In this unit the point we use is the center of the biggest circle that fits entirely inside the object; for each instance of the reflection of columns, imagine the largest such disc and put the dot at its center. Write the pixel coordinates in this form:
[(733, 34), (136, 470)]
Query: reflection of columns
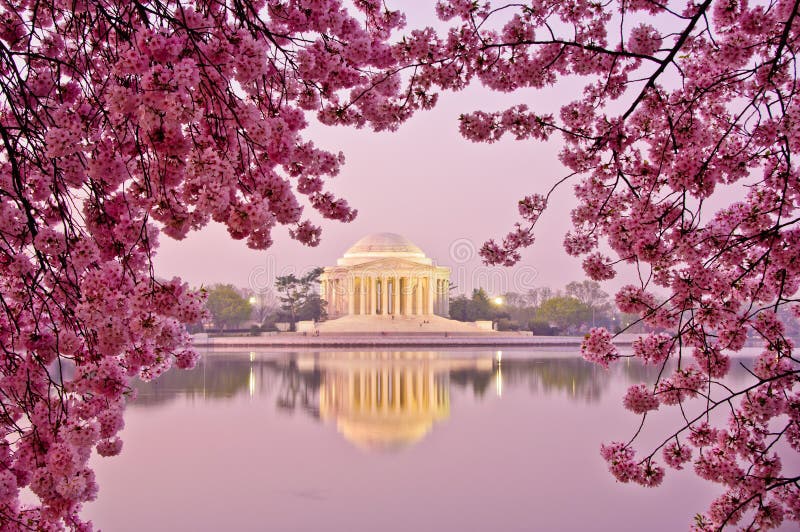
[(384, 296), (409, 378), (384, 388), (396, 390), (373, 296), (363, 377), (407, 296), (351, 295)]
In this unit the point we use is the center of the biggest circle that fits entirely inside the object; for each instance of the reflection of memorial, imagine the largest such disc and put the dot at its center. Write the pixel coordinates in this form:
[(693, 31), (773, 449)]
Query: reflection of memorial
[(294, 381), (387, 400)]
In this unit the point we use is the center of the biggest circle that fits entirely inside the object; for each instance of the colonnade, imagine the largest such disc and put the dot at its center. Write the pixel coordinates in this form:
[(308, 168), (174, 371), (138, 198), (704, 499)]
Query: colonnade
[(383, 295), (386, 389)]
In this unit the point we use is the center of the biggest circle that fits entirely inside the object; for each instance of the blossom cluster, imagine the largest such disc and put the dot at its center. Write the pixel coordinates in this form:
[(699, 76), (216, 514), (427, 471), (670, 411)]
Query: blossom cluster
[(665, 121), (125, 120)]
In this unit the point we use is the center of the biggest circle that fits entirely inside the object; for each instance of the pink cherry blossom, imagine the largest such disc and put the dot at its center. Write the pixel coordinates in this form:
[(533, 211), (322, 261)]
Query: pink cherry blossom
[(640, 400), (675, 454), (119, 129), (597, 347)]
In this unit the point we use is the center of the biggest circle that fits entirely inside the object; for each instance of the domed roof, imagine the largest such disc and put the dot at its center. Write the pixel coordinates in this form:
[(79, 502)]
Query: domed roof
[(381, 246), (384, 243)]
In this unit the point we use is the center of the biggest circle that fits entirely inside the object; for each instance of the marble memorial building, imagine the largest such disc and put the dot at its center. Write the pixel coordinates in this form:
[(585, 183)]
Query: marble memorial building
[(385, 274)]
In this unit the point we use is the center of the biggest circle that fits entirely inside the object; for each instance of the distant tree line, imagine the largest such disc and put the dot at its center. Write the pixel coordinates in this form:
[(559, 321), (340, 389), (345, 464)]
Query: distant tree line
[(582, 305), (234, 309), (579, 307)]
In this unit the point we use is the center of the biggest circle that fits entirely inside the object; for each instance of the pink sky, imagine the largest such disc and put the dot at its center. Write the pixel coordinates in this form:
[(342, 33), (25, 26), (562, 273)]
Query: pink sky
[(425, 182)]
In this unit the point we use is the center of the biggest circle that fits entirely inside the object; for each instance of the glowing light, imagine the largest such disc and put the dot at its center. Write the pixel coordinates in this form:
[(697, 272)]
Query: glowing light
[(498, 300), (498, 381), (252, 300), (498, 376), (251, 383), (252, 356)]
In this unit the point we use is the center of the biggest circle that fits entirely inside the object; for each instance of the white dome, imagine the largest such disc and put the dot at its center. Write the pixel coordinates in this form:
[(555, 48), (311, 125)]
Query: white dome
[(383, 244)]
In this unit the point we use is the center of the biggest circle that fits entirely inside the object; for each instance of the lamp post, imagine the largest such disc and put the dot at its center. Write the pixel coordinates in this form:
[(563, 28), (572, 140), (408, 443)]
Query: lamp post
[(497, 302)]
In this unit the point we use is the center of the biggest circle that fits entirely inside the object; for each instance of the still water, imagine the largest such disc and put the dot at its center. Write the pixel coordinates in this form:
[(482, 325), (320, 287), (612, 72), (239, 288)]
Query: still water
[(462, 440)]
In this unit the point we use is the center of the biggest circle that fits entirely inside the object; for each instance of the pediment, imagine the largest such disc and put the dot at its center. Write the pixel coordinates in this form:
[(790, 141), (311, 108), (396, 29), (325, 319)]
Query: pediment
[(386, 266)]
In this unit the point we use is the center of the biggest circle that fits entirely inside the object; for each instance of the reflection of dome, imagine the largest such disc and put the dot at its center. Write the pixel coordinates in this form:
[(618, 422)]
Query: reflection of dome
[(384, 433)]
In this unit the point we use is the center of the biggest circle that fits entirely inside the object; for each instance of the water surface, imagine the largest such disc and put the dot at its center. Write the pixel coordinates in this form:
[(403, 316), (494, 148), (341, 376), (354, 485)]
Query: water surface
[(463, 440)]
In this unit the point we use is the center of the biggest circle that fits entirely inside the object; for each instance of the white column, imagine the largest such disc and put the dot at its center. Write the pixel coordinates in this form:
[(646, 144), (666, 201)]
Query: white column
[(351, 295), (373, 295), (435, 295), (329, 294), (430, 284), (361, 296), (446, 296), (384, 296), (407, 296), (439, 296), (337, 296), (336, 302), (418, 305), (396, 295)]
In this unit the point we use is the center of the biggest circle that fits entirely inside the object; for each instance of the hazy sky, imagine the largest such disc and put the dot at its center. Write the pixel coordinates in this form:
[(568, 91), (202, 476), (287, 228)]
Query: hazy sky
[(446, 194)]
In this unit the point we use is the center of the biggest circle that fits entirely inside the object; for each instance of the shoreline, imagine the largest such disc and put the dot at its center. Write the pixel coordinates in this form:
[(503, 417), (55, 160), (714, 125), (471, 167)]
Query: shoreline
[(397, 340)]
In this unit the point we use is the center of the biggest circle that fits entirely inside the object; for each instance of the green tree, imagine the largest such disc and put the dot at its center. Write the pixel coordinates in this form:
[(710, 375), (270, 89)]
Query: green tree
[(518, 308), (314, 308), (590, 294), (540, 327), (478, 307), (264, 304), (537, 296), (460, 308), (565, 312), (482, 306), (298, 297), (227, 306)]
